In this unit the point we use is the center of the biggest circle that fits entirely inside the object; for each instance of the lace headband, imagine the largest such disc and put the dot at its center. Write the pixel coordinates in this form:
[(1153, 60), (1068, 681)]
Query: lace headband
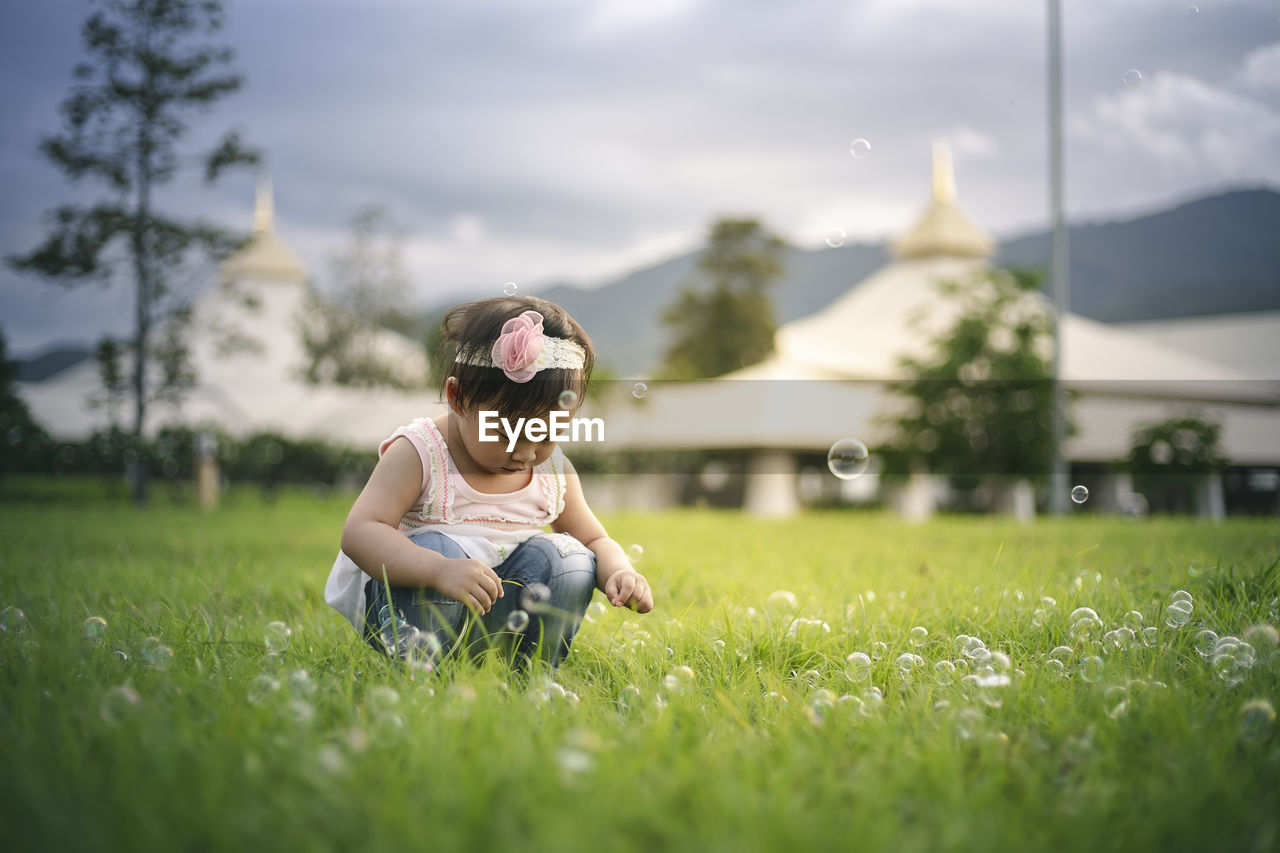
[(522, 350)]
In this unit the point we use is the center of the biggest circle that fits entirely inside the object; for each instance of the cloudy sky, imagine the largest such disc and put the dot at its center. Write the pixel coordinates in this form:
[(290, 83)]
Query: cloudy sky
[(527, 141)]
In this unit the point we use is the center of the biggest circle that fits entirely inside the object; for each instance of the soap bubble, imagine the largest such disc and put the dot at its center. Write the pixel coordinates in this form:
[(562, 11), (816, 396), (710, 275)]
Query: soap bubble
[(635, 552), (1178, 614), (536, 598), (95, 629), (1193, 11), (878, 650), (836, 238), (14, 621), (155, 652), (848, 458), (1091, 668), (907, 662), (277, 636), (1257, 720), (639, 390), (517, 621), (1181, 595), (118, 703), (918, 635), (858, 666), (568, 398), (1132, 77), (261, 689), (1206, 643), (944, 672), (859, 148), (1053, 666), (679, 679), (1262, 636), (629, 698), (1079, 494), (510, 288), (782, 601)]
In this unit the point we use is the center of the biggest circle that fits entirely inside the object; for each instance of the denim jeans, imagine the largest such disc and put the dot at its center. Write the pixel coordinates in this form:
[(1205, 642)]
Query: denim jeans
[(428, 625)]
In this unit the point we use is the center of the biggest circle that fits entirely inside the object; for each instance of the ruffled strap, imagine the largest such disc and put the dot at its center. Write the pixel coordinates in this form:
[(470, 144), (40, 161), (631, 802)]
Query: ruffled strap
[(436, 499)]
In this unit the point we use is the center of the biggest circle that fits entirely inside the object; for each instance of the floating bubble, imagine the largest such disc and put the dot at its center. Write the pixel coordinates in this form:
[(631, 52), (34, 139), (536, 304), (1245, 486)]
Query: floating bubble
[(1257, 720), (1262, 636), (597, 610), (872, 698), (918, 635), (14, 621), (848, 458), (1053, 666), (907, 662), (859, 148), (1134, 621), (1092, 668), (639, 390), (878, 650), (568, 398), (510, 288), (944, 672), (1181, 595), (1206, 643), (154, 652), (629, 698), (277, 636), (1178, 614), (679, 679), (1079, 494), (836, 238), (857, 666), (95, 629), (1149, 635), (517, 621), (536, 598), (118, 703), (1193, 11), (1116, 701), (1062, 653), (300, 683), (635, 552), (300, 711), (782, 601), (261, 689), (1132, 77)]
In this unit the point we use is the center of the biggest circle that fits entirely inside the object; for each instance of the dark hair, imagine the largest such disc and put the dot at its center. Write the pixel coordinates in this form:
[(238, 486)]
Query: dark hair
[(477, 325)]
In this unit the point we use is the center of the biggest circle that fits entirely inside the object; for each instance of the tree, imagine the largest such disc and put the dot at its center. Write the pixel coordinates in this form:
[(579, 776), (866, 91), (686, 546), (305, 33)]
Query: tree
[(980, 405), (1169, 460), (731, 324), (340, 334), (20, 435), (124, 119)]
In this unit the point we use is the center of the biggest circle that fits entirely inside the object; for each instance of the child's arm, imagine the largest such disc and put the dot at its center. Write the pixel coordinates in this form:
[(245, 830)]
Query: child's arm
[(615, 577), (371, 537)]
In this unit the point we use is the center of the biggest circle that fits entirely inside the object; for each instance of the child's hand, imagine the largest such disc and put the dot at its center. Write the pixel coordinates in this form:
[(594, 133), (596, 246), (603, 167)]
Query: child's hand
[(629, 588), (471, 582)]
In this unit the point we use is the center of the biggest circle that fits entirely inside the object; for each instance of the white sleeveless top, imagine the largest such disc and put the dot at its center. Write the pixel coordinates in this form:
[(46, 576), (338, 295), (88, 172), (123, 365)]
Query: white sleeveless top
[(486, 526)]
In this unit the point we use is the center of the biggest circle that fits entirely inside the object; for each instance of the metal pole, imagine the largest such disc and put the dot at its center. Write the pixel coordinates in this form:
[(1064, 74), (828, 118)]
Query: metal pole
[(1058, 485)]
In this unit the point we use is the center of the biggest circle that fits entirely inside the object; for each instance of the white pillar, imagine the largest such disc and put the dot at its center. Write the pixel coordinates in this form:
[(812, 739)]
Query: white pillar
[(772, 484), (1211, 500), (917, 500)]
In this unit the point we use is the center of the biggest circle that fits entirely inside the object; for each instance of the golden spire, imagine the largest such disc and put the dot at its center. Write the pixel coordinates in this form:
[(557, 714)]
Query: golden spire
[(944, 177), (263, 208)]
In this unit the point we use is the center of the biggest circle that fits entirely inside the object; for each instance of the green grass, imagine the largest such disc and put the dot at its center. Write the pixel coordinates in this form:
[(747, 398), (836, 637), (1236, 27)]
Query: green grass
[(751, 754)]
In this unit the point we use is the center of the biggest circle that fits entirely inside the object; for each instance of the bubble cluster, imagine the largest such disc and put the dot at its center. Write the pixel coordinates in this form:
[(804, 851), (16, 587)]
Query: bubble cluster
[(1178, 613), (848, 458)]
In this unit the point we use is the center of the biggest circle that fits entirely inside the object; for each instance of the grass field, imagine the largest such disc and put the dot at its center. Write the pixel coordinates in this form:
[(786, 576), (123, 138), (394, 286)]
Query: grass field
[(730, 718)]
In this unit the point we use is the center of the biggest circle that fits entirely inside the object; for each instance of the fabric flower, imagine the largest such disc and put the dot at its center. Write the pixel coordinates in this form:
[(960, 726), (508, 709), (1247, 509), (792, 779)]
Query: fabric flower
[(517, 349)]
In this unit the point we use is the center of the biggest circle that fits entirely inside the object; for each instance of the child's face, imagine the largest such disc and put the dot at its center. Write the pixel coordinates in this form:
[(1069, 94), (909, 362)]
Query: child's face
[(492, 456)]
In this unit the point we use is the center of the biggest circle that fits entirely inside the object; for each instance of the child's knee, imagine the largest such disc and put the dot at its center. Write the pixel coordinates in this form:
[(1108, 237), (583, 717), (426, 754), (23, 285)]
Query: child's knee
[(435, 541)]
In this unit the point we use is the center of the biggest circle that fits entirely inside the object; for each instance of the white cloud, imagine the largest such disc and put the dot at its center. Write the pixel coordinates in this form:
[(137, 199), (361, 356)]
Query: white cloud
[(1260, 71), (966, 141), (1184, 125)]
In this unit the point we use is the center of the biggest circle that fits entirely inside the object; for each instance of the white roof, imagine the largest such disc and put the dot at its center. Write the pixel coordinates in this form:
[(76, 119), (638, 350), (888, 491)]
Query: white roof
[(258, 388), (1248, 343)]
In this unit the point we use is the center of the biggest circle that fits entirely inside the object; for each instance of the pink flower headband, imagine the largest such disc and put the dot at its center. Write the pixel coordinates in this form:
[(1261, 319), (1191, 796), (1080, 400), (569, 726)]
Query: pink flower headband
[(522, 350)]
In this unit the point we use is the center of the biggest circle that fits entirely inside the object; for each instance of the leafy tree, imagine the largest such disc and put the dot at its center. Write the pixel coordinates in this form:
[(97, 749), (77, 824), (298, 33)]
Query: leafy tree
[(340, 334), (731, 323), (980, 405), (148, 73), (20, 435), (1168, 459)]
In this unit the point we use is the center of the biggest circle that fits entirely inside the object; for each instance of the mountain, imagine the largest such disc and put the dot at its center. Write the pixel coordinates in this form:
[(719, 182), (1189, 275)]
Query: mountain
[(51, 361), (1213, 255)]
